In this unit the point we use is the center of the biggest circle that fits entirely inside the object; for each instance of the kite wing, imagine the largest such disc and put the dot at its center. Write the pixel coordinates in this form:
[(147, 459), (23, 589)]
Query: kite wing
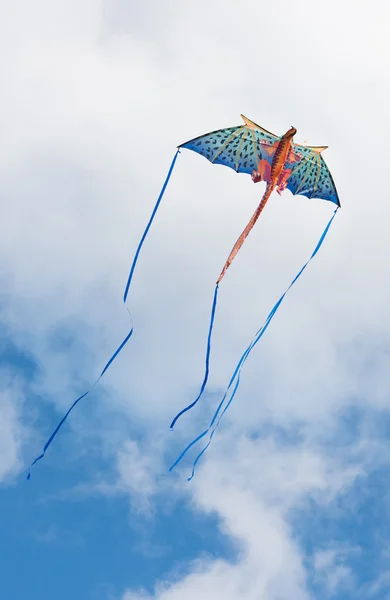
[(310, 176), (241, 148)]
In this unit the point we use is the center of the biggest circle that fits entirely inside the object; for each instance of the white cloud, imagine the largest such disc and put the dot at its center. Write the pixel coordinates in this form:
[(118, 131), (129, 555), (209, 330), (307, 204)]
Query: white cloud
[(252, 488), (381, 585), (332, 572), (136, 595), (136, 475), (135, 469)]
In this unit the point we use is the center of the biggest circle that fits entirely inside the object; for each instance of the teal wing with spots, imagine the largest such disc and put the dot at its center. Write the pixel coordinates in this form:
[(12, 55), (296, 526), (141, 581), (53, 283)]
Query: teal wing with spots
[(240, 148), (310, 176)]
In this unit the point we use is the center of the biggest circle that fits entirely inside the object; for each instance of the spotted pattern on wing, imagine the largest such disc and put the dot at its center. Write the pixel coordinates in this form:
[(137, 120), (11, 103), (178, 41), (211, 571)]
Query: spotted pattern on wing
[(240, 148), (311, 177)]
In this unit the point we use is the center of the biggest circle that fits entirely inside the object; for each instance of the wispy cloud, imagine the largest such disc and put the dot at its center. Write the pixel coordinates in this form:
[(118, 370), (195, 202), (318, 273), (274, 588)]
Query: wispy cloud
[(331, 570), (54, 536)]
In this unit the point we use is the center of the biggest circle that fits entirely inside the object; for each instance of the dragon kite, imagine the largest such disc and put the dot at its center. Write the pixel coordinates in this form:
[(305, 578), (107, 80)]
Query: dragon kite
[(276, 160)]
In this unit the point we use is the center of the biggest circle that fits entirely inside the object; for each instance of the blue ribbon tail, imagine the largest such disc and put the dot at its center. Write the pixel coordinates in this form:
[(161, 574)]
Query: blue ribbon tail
[(186, 449), (145, 233), (119, 349), (237, 372), (60, 424), (207, 366)]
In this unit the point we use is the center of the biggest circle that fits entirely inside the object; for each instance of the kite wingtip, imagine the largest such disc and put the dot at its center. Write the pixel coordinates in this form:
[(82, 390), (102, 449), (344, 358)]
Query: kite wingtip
[(318, 149), (247, 121)]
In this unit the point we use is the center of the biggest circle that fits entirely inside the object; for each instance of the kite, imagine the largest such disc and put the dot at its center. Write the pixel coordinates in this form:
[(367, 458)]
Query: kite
[(281, 164)]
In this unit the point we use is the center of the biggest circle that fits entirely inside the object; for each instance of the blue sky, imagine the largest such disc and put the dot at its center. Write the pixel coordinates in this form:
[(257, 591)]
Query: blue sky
[(291, 499)]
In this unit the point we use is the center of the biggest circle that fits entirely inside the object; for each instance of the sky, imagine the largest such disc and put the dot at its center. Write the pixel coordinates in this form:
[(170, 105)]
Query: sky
[(291, 500)]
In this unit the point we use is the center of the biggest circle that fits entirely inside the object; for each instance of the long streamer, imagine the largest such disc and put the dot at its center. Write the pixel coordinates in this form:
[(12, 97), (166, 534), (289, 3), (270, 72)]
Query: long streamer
[(119, 349), (235, 379), (207, 366), (60, 424), (145, 233)]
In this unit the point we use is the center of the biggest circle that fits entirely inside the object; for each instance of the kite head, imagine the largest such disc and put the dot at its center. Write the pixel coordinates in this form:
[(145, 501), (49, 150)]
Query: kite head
[(289, 134)]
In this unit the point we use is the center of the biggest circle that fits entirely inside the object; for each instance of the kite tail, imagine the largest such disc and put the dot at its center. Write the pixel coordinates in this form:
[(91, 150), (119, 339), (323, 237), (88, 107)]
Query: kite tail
[(119, 349), (235, 379), (233, 253), (145, 233), (60, 424), (207, 367), (245, 233)]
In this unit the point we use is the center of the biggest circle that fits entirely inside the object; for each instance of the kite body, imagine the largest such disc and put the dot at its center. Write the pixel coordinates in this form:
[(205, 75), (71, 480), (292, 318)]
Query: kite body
[(276, 160)]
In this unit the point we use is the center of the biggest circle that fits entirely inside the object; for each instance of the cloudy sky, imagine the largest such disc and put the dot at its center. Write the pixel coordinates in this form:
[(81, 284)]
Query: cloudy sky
[(291, 501)]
